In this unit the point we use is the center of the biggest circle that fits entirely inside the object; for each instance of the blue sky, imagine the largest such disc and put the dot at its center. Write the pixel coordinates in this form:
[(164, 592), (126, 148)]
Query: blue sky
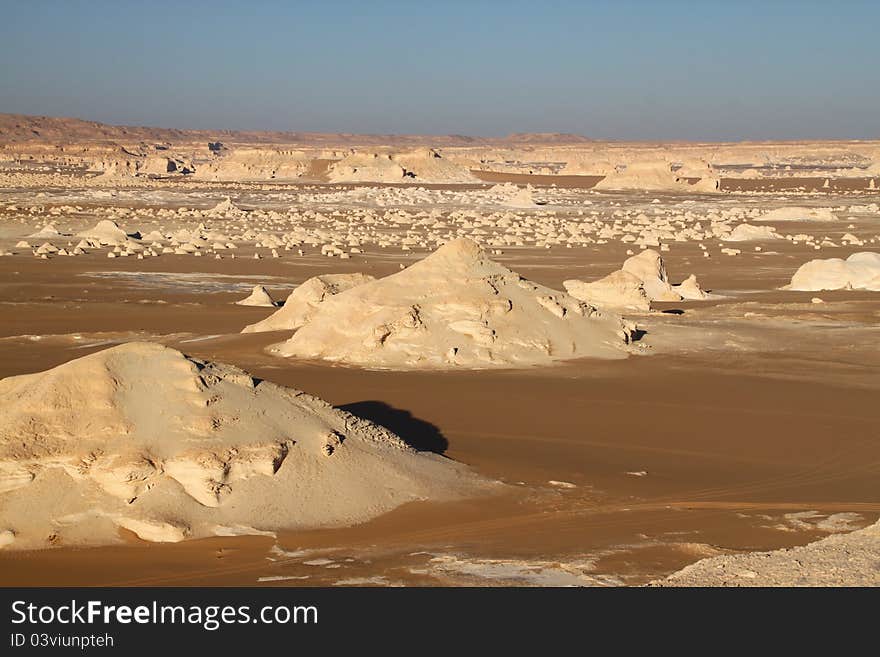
[(619, 70)]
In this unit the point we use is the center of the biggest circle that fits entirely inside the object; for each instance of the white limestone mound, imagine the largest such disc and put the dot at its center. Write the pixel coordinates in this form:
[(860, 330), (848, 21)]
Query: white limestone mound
[(419, 165), (583, 164), (794, 213), (839, 560), (750, 233), (429, 165), (524, 198), (620, 290), (107, 233), (690, 289), (226, 209), (48, 231), (304, 300), (649, 268), (249, 163), (259, 296), (113, 172), (708, 180), (366, 167), (653, 175), (656, 175), (514, 196), (641, 280), (142, 437), (860, 271), (456, 308)]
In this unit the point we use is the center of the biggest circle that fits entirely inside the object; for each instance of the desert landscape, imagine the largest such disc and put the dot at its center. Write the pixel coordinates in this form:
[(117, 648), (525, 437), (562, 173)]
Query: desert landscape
[(314, 359)]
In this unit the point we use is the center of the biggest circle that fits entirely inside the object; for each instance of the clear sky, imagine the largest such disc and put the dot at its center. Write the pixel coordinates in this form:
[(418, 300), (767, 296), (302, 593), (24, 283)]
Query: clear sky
[(649, 69)]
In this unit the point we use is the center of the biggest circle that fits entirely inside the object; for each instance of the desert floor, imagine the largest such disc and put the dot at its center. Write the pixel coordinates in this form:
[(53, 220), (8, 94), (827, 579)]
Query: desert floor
[(749, 421)]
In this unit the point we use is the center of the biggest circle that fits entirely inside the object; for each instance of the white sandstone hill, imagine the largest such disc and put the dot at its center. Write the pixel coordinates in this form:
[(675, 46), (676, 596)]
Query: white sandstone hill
[(456, 308), (304, 300), (141, 437)]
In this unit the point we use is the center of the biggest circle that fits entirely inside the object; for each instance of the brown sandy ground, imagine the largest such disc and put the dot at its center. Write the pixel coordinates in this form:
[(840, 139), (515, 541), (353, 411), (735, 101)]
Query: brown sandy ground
[(623, 471)]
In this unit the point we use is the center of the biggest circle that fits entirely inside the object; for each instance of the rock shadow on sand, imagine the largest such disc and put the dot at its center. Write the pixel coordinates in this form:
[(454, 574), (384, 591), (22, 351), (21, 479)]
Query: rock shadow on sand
[(418, 434)]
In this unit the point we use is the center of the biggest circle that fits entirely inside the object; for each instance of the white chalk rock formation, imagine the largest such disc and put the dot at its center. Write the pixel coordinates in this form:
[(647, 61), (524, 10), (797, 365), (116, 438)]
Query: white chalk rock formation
[(304, 300), (106, 232), (420, 165), (794, 213), (428, 165), (690, 289), (580, 164), (709, 181), (226, 209), (860, 271), (113, 172), (141, 437), (642, 279), (48, 231), (259, 296), (366, 167), (456, 308), (750, 233), (840, 560), (620, 290), (649, 268), (250, 163), (514, 196), (656, 175)]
